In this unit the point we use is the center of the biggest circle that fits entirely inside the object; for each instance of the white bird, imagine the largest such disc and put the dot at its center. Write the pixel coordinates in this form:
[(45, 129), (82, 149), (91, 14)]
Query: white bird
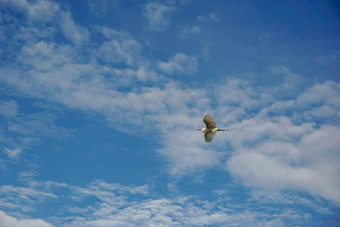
[(210, 129)]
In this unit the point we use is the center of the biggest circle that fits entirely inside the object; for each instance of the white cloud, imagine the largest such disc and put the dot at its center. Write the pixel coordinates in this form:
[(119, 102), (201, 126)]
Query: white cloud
[(41, 19), (13, 153), (291, 157), (258, 130), (178, 211), (39, 10), (121, 205), (188, 32), (8, 108), (115, 52), (45, 56), (187, 151), (102, 7), (119, 48), (9, 221), (321, 94), (319, 102), (179, 64), (72, 31), (23, 198), (34, 24), (158, 15), (36, 125), (288, 84)]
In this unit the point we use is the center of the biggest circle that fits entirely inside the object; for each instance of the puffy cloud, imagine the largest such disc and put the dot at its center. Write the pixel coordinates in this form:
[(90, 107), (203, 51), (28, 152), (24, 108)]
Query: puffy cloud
[(306, 159), (326, 94), (9, 221)]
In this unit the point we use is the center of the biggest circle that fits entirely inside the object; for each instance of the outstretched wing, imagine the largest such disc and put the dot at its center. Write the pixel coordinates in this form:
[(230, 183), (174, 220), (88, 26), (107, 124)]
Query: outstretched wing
[(209, 121), (209, 136)]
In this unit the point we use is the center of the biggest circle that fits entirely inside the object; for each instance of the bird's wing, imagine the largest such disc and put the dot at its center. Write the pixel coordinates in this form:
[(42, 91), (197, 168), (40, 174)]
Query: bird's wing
[(209, 121), (209, 136)]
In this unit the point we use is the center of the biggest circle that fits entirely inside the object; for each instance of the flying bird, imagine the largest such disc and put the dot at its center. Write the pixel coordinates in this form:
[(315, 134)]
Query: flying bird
[(210, 129)]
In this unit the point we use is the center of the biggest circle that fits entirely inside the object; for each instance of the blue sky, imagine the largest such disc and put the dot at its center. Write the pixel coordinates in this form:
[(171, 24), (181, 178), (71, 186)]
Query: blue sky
[(100, 102)]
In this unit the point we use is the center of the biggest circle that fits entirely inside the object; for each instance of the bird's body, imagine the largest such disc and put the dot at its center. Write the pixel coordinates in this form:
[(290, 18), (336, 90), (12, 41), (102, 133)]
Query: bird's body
[(210, 129), (214, 130)]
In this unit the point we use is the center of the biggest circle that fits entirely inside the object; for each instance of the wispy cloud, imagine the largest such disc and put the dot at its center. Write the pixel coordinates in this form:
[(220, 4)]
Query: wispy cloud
[(179, 64), (158, 15), (190, 31), (210, 17), (117, 205), (24, 199), (37, 11), (72, 31), (8, 108), (13, 153), (119, 48), (326, 59), (20, 132)]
